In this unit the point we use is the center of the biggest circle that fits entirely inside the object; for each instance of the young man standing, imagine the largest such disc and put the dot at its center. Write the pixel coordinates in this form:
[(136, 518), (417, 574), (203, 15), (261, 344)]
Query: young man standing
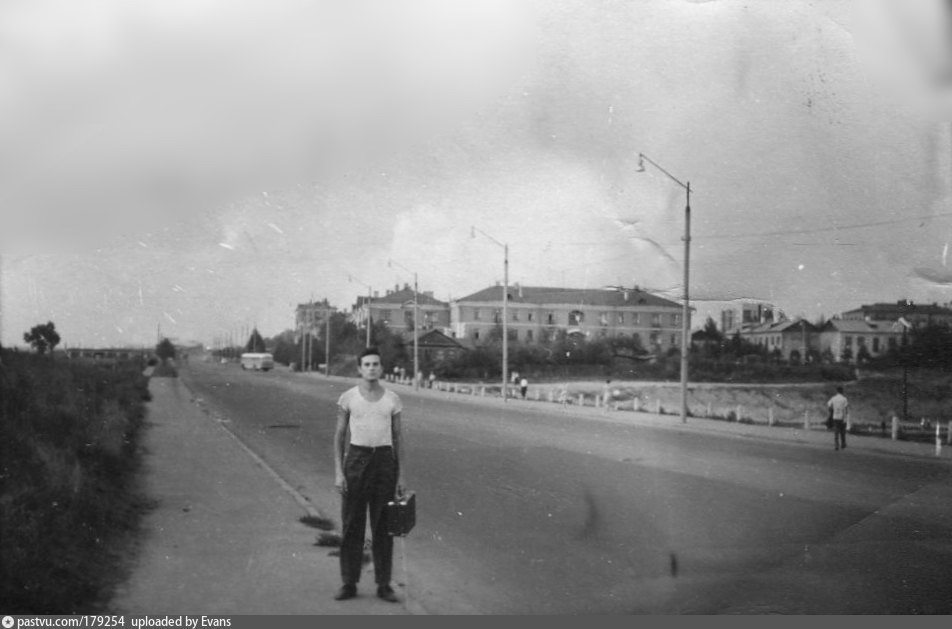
[(367, 474), (840, 408)]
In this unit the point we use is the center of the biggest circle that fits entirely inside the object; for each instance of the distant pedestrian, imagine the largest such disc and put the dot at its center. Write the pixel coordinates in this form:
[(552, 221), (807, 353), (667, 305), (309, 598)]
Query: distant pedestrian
[(564, 396), (367, 473), (524, 387), (840, 409), (432, 379), (606, 396)]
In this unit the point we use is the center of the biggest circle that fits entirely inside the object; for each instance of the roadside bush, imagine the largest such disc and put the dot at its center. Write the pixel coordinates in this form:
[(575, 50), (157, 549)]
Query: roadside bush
[(69, 435)]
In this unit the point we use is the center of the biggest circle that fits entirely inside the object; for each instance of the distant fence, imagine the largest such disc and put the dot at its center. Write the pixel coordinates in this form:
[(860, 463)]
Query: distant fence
[(925, 431)]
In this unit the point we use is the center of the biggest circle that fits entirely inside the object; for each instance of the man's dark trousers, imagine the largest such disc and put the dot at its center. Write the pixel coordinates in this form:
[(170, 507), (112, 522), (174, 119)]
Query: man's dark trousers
[(839, 433), (371, 475)]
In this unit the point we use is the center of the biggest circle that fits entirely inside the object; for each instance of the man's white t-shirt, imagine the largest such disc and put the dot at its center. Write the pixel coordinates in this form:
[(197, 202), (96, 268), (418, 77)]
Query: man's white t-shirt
[(370, 422), (840, 406)]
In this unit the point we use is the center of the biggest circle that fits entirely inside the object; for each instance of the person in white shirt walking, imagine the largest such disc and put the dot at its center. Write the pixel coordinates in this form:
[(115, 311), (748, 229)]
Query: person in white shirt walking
[(839, 408), (367, 474)]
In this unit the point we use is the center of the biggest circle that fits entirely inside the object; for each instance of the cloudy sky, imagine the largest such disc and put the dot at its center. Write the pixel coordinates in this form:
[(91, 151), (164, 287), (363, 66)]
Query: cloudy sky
[(206, 165)]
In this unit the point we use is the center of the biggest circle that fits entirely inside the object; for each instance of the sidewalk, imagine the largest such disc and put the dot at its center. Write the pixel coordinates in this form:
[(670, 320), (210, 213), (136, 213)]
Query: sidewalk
[(225, 537), (817, 436)]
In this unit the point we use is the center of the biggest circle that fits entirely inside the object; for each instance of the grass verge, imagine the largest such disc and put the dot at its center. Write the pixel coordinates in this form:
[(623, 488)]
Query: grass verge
[(69, 496)]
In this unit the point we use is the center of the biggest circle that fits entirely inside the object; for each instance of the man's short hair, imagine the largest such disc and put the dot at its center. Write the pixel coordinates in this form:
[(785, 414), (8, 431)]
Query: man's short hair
[(839, 389), (370, 351)]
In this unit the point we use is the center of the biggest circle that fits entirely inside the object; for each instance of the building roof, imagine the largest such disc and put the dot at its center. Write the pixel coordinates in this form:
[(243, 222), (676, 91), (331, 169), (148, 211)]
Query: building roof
[(404, 296), (855, 326), (315, 305), (433, 338), (899, 309), (777, 327), (541, 295)]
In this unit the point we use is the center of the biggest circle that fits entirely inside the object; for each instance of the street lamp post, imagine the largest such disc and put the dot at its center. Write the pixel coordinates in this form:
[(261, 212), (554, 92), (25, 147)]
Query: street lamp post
[(685, 308), (416, 344), (505, 311), (369, 295)]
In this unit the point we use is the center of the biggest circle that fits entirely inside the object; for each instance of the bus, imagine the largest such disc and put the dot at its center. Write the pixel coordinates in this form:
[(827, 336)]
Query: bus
[(257, 361)]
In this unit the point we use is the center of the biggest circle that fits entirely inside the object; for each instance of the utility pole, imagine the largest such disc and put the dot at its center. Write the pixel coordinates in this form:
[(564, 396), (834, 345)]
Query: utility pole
[(416, 304), (370, 289), (505, 310), (327, 340), (416, 335), (310, 338), (369, 317), (905, 362), (685, 307), (303, 342)]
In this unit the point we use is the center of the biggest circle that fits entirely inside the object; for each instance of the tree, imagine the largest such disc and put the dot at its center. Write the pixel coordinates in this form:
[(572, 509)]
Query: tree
[(711, 331), (255, 343), (284, 349), (43, 337), (165, 350), (846, 355)]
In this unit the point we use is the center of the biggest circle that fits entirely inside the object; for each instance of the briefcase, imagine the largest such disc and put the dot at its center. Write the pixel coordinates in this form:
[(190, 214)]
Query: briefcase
[(401, 514)]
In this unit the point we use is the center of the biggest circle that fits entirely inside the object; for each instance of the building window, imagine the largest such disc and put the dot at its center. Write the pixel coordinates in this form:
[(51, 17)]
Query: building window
[(675, 319), (635, 318), (848, 341), (656, 319), (408, 318), (861, 341), (528, 335), (576, 317), (620, 318), (550, 318), (515, 315), (476, 334), (497, 316), (603, 318), (674, 340), (476, 314), (892, 342), (876, 344), (529, 316)]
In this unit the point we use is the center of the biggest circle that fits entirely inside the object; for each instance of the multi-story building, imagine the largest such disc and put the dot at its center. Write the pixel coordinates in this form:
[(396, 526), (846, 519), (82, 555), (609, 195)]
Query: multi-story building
[(310, 317), (747, 315), (845, 338), (395, 308), (916, 314), (537, 313), (794, 340)]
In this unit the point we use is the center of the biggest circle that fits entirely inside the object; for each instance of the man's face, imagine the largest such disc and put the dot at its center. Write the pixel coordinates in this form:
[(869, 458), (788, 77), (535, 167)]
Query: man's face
[(370, 368)]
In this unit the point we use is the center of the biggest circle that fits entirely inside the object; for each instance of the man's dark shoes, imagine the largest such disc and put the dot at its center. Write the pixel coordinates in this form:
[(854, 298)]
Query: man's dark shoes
[(345, 592), (386, 593)]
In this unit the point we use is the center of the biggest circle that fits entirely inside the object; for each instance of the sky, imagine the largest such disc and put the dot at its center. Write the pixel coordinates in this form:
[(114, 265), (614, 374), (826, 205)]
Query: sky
[(198, 167)]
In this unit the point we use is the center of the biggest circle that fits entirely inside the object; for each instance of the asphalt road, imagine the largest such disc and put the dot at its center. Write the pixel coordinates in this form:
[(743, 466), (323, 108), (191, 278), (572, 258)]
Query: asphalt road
[(534, 510)]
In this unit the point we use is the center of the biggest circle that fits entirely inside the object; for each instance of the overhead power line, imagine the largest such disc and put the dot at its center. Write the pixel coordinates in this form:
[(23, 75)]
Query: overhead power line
[(820, 230)]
